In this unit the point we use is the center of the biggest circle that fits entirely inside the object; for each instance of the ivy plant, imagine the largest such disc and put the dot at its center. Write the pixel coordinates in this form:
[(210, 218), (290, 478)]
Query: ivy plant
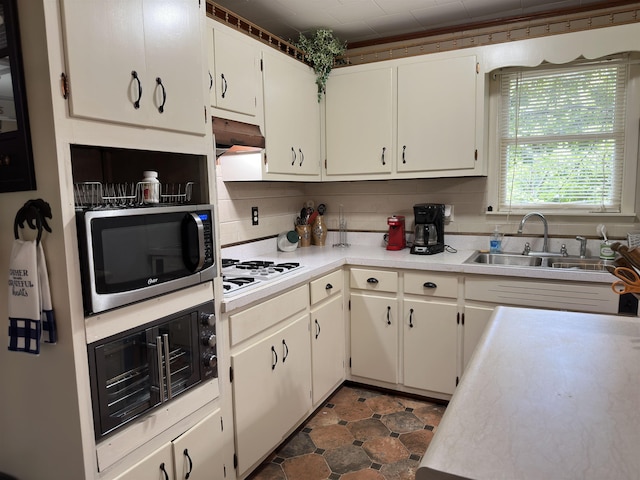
[(320, 51)]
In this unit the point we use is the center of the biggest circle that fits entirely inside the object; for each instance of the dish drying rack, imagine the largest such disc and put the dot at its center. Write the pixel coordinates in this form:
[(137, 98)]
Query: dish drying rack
[(97, 194)]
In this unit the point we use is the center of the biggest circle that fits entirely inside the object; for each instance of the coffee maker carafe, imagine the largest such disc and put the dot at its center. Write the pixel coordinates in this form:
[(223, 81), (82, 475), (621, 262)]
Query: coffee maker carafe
[(429, 229)]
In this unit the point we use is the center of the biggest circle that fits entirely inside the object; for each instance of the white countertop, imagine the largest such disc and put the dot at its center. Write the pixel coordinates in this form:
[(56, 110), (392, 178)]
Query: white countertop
[(369, 252), (546, 395)]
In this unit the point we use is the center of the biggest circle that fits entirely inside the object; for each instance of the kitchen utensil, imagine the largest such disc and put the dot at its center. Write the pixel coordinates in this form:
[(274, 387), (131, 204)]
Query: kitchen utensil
[(629, 281), (305, 234), (631, 256)]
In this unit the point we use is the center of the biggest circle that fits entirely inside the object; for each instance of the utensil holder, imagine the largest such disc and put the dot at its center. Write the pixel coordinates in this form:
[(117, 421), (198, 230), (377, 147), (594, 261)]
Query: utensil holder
[(305, 235), (319, 231)]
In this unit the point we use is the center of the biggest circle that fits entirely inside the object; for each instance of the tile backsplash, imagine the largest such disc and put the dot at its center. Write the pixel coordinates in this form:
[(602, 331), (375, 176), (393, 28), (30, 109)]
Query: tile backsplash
[(367, 204)]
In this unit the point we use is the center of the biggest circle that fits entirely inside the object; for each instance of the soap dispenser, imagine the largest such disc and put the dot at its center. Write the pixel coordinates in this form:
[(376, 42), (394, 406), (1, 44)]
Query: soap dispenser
[(495, 241)]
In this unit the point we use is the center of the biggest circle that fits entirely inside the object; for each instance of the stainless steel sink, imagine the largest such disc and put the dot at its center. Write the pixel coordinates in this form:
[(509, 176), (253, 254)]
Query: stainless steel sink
[(513, 259), (549, 261), (577, 263)]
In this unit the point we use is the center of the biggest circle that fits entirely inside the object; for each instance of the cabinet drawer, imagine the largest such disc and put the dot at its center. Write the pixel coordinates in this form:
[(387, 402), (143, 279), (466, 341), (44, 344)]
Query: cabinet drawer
[(325, 287), (260, 317), (375, 280), (431, 284)]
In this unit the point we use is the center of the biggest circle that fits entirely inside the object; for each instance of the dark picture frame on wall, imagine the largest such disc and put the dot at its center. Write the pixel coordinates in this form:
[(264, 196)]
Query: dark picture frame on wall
[(16, 155)]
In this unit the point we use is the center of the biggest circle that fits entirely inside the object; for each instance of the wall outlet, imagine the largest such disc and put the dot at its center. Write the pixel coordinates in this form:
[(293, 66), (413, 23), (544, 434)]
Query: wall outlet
[(254, 215)]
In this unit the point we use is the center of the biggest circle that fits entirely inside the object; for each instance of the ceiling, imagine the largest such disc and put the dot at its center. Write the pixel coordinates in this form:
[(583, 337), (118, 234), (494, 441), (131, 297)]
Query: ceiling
[(371, 20)]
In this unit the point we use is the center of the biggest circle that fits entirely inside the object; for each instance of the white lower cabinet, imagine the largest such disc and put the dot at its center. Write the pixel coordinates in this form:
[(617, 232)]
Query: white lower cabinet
[(374, 336), (271, 389), (430, 345), (327, 348), (474, 321), (199, 452)]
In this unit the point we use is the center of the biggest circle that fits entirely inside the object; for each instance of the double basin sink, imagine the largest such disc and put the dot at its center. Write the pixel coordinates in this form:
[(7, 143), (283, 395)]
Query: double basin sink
[(538, 261)]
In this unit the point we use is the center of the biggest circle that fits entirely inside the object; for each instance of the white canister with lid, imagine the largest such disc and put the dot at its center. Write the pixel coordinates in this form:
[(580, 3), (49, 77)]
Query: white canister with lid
[(288, 241), (150, 187)]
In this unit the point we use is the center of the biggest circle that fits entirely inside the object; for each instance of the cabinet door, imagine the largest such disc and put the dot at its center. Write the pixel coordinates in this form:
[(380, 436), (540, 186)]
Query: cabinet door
[(107, 41), (374, 337), (271, 389), (174, 55), (104, 43), (476, 319), (430, 345), (199, 452), (327, 347), (359, 122), (437, 115), (292, 117), (156, 466), (235, 73)]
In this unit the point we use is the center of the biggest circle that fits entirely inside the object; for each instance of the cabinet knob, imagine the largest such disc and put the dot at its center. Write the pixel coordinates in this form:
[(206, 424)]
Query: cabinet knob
[(429, 285), (328, 286), (372, 280)]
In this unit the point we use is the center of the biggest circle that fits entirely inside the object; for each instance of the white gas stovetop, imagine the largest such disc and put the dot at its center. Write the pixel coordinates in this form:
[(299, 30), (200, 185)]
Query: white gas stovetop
[(237, 276)]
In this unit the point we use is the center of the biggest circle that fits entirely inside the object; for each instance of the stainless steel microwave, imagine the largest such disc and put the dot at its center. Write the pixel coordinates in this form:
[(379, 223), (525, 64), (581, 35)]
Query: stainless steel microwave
[(132, 254)]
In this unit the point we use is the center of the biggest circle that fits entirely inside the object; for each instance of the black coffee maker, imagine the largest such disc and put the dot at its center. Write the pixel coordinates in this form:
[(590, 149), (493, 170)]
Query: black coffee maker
[(429, 229)]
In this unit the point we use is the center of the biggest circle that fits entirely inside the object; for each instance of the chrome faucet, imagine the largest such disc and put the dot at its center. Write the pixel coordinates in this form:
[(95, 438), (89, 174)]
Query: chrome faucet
[(545, 242), (583, 246)]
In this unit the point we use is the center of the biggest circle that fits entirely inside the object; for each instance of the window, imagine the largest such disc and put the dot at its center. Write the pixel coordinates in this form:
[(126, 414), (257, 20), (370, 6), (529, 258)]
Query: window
[(561, 137)]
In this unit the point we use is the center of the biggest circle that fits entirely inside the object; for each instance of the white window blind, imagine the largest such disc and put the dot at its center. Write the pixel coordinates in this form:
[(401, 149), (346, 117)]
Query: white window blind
[(562, 138)]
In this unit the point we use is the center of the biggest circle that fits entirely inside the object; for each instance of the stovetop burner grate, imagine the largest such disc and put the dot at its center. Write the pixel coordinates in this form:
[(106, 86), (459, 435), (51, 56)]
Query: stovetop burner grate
[(237, 275)]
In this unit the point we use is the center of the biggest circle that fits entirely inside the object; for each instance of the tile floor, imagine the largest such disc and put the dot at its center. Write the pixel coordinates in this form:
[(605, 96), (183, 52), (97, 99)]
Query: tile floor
[(359, 434)]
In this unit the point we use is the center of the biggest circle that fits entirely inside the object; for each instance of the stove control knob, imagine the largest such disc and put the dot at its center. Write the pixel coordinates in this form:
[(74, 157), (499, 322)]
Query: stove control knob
[(209, 339), (208, 319), (210, 360)]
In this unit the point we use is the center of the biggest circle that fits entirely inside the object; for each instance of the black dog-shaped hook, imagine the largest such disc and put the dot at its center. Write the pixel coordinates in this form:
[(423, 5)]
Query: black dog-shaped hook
[(35, 214)]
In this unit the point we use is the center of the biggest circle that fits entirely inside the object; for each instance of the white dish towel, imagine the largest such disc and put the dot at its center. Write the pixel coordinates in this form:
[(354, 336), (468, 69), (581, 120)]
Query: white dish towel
[(30, 310)]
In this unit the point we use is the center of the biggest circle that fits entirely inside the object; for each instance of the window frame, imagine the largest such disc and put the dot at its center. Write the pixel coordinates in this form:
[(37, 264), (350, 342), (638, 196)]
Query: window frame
[(630, 181)]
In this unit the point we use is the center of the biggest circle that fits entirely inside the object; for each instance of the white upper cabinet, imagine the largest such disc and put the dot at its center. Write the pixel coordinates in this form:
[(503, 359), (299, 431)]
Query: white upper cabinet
[(437, 115), (136, 62), (415, 118), (292, 118), (359, 123), (234, 69)]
